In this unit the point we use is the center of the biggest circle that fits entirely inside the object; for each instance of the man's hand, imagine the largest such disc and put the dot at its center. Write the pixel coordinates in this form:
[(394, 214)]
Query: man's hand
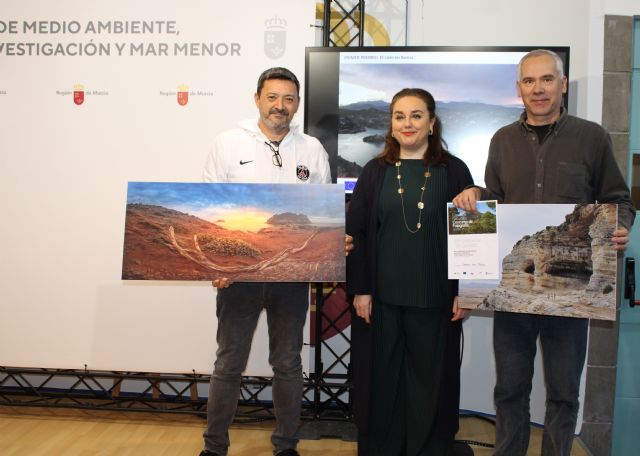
[(458, 313), (466, 199), (620, 238), (222, 283), (362, 304), (348, 244)]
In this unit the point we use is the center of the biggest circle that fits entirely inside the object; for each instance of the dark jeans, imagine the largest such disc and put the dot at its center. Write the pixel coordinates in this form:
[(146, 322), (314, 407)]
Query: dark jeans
[(563, 341), (238, 309)]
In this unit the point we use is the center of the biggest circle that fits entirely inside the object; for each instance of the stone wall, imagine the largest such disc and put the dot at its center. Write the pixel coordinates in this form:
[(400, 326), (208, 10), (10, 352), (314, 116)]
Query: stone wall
[(602, 358)]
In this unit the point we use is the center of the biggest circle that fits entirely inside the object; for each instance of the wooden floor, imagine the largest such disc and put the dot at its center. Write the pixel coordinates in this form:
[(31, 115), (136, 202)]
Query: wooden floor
[(26, 431)]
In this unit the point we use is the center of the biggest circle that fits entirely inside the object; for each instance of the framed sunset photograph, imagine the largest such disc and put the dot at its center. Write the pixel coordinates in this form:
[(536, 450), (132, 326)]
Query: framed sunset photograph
[(245, 232)]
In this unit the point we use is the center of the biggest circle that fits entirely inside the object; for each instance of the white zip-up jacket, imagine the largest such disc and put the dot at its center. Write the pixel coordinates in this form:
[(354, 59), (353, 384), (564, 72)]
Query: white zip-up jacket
[(241, 155)]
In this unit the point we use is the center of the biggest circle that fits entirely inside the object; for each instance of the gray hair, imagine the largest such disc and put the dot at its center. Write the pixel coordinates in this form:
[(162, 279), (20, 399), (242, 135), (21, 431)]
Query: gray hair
[(539, 53)]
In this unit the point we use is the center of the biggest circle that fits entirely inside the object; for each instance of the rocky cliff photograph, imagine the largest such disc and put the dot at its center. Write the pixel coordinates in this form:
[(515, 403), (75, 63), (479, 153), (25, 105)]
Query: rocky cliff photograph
[(557, 259), (246, 232)]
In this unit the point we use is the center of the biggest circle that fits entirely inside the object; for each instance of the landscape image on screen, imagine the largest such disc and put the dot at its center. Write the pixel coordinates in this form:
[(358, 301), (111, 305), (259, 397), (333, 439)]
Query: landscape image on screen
[(473, 100)]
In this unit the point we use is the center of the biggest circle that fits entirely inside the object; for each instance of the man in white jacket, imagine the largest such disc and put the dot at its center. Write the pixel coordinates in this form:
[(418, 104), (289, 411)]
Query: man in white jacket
[(269, 150)]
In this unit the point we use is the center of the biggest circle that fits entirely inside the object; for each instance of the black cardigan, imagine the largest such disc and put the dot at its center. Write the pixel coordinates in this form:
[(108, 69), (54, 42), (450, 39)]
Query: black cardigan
[(362, 220)]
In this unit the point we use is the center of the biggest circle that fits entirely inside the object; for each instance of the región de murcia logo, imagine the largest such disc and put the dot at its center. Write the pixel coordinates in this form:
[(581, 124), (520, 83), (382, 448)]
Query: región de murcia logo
[(275, 37), (183, 95), (78, 94)]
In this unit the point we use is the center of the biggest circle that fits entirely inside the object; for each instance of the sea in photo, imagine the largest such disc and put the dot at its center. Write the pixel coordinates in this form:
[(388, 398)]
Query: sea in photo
[(353, 148)]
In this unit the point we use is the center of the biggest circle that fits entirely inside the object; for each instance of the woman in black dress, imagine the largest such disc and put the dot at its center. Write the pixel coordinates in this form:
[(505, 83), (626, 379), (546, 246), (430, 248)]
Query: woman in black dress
[(406, 336)]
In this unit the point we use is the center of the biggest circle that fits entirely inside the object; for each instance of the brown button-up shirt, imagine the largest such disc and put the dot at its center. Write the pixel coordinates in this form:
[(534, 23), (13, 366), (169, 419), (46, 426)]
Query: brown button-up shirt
[(573, 164)]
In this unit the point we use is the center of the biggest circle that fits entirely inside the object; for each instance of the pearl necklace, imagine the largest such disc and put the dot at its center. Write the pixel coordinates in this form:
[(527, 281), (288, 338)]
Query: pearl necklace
[(427, 174)]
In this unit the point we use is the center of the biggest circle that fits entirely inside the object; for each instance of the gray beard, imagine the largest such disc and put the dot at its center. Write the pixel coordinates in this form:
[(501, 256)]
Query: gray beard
[(278, 127)]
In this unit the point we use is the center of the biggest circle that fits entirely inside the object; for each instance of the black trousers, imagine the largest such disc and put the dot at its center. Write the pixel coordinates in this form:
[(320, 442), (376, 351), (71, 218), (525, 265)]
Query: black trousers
[(408, 347)]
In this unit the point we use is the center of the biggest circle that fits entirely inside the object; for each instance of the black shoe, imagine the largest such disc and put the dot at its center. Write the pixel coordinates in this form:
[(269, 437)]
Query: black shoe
[(208, 453), (288, 452)]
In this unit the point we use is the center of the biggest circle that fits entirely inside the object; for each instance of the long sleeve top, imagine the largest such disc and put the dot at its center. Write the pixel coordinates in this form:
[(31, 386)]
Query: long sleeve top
[(362, 221), (573, 164)]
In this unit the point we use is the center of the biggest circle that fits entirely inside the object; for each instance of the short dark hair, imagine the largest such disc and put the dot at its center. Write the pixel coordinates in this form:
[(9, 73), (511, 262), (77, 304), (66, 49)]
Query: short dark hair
[(277, 73)]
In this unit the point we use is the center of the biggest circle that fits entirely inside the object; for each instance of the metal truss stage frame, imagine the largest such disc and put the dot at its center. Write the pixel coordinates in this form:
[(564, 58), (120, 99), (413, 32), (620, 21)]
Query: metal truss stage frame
[(326, 394), (343, 25), (148, 392)]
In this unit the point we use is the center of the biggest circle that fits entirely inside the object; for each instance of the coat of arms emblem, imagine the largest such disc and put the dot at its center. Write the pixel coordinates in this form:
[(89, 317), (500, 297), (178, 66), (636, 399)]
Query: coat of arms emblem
[(275, 37)]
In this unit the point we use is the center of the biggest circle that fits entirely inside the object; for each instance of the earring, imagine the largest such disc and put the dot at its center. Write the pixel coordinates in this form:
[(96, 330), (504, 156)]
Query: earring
[(430, 131)]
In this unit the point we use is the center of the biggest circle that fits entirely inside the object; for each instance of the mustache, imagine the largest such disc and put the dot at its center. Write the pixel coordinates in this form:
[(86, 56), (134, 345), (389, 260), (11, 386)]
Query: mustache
[(282, 112)]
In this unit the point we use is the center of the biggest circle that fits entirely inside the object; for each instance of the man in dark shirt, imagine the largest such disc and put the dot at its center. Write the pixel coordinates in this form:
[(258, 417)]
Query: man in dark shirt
[(547, 156)]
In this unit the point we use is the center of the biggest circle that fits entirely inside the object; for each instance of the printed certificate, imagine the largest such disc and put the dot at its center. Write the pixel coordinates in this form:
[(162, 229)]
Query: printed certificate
[(473, 242)]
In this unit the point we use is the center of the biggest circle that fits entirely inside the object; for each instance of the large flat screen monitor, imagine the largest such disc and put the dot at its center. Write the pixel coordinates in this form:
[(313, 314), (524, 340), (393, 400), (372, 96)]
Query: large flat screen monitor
[(348, 90)]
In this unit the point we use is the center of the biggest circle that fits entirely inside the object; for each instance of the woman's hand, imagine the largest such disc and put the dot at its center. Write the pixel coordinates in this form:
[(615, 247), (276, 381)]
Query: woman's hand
[(362, 304), (222, 283), (458, 313), (348, 244)]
